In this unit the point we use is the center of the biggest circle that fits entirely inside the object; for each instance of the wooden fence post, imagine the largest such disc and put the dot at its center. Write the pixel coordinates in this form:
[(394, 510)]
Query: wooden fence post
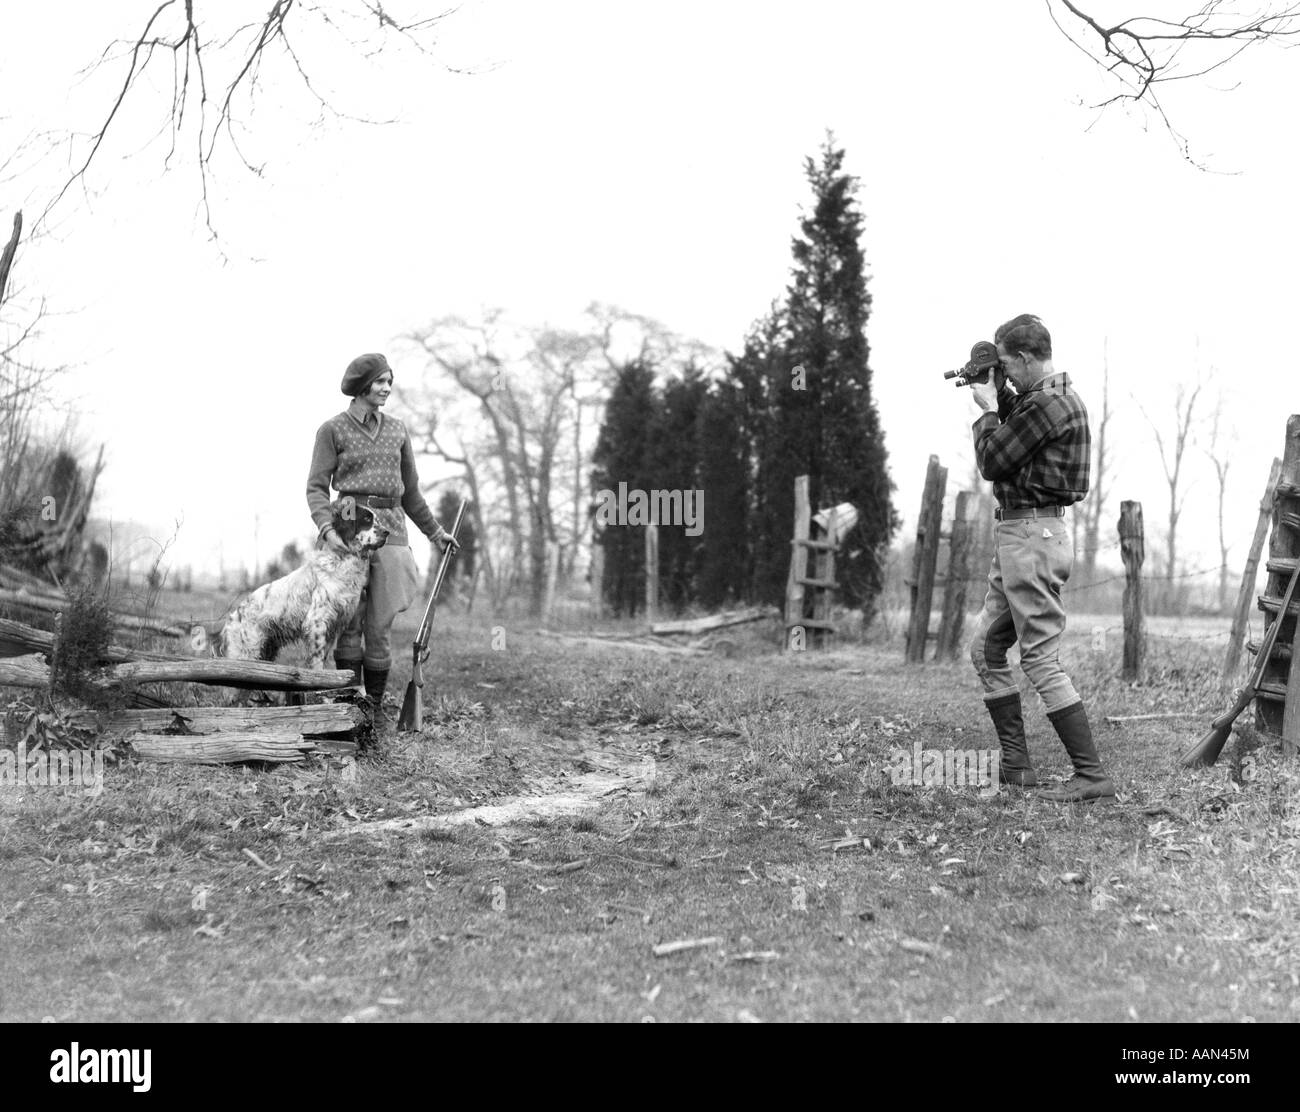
[(552, 571), (794, 586), (1132, 547), (597, 578), (652, 573), (954, 592), (1241, 615), (1283, 550), (927, 552)]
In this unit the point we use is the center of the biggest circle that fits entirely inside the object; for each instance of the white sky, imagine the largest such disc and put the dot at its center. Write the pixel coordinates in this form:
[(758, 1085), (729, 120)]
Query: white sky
[(650, 155)]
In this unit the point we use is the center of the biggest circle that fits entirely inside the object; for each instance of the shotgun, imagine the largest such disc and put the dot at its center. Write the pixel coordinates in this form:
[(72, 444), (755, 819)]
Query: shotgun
[(1206, 751), (412, 715)]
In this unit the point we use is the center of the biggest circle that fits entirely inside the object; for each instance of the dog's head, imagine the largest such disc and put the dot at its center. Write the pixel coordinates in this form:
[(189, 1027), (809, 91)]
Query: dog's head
[(357, 527)]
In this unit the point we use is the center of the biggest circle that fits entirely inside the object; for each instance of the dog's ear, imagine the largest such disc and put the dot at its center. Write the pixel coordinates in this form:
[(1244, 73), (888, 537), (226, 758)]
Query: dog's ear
[(351, 519)]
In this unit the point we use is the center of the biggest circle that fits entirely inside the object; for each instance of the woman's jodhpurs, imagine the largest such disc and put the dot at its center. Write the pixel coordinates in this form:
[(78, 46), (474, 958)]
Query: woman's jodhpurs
[(393, 585)]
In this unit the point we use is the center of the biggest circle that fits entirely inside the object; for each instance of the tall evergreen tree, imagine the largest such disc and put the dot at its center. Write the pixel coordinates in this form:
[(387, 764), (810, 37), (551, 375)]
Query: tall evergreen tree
[(796, 400), (827, 425), (623, 455), (725, 561), (757, 374), (675, 466)]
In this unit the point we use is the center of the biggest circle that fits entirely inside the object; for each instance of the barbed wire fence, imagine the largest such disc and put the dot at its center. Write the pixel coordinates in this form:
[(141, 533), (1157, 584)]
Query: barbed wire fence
[(1173, 613)]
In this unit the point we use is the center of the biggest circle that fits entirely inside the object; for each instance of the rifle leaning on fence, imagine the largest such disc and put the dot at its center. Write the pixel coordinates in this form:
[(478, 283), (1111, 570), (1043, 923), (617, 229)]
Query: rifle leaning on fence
[(412, 715), (1206, 751)]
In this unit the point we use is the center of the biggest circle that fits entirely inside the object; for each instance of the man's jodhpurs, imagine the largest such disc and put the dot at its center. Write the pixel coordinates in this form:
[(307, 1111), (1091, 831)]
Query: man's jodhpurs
[(1032, 560), (393, 585)]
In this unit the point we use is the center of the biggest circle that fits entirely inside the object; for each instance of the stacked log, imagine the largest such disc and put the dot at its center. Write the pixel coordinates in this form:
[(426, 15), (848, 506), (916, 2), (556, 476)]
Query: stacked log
[(224, 748)]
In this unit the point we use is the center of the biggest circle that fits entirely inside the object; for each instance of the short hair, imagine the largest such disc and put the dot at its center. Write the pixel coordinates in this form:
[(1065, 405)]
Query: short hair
[(1025, 333)]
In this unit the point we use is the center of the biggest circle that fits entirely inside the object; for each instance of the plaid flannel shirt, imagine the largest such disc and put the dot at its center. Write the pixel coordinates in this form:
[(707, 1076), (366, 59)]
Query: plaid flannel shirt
[(1036, 449)]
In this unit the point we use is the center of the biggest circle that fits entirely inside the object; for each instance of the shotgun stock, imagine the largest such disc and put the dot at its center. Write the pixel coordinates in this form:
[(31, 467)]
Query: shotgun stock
[(1206, 751)]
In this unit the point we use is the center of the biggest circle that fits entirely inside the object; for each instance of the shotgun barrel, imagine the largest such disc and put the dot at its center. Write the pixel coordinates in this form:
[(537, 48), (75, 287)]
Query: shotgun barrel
[(412, 716)]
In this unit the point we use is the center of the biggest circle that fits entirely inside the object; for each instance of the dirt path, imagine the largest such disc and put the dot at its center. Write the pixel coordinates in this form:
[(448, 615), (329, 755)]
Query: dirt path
[(608, 772)]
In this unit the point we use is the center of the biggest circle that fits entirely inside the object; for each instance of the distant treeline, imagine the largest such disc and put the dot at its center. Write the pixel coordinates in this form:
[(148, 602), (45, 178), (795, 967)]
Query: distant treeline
[(796, 400)]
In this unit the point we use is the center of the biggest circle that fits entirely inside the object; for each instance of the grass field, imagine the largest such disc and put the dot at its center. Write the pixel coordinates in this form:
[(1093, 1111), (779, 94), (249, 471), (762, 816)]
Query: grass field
[(737, 801)]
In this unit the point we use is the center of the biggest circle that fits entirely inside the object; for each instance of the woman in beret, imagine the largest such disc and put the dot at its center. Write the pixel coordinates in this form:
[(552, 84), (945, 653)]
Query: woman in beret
[(367, 455)]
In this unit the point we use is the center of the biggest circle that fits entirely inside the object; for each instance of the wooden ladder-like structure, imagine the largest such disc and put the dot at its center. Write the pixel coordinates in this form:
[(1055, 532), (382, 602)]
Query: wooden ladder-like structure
[(1277, 706), (816, 539)]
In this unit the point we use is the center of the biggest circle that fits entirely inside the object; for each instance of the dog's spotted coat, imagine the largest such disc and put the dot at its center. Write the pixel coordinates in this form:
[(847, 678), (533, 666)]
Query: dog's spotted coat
[(311, 604)]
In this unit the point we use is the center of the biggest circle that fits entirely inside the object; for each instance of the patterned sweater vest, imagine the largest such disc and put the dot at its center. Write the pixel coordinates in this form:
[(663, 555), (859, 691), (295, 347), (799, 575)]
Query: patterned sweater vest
[(355, 460)]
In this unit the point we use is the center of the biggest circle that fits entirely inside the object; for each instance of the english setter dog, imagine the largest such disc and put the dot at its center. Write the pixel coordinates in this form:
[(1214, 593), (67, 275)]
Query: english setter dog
[(311, 604)]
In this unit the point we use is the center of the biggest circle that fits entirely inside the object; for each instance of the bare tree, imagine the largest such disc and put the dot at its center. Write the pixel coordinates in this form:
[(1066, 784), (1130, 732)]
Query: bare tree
[(523, 387), (1096, 503), (1220, 458), (540, 414), (626, 337), (517, 409), (202, 74), (46, 490), (1145, 53), (444, 414), (1173, 448)]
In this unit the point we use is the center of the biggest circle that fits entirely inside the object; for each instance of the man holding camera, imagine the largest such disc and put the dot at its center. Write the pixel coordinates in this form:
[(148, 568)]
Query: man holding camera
[(1033, 444)]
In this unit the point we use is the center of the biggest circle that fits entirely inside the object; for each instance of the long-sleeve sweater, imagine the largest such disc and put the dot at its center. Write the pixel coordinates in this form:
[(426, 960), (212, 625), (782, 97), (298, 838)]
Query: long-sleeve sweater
[(357, 460)]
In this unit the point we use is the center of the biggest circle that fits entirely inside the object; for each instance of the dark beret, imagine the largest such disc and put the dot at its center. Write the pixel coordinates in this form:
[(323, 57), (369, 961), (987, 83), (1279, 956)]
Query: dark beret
[(362, 371)]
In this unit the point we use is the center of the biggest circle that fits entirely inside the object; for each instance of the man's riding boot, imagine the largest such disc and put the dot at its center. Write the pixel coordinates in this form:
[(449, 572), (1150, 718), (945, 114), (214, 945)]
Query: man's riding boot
[(376, 681), (349, 664), (1090, 782), (1008, 721)]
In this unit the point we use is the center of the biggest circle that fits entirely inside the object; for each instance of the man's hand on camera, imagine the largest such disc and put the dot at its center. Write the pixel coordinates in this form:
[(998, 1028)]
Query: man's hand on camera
[(985, 395)]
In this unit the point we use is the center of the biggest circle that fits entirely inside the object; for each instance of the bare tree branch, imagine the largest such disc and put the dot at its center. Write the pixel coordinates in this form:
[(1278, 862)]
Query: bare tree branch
[(216, 74), (1144, 52), (7, 256)]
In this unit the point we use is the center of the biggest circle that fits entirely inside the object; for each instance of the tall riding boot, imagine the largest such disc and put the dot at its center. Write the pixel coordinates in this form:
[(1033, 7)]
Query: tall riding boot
[(1090, 782), (349, 664), (1008, 721), (376, 681)]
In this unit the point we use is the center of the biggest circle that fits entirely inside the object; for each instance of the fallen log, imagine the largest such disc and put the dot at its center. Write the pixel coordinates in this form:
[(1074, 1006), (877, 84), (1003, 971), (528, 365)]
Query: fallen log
[(310, 721), (713, 621), (24, 671), (54, 605), (1117, 719), (19, 639), (19, 580), (253, 674), (258, 675), (666, 948), (280, 747), (611, 643)]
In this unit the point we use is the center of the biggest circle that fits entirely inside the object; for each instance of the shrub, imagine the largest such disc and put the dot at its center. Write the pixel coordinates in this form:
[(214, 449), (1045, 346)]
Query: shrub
[(85, 633)]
